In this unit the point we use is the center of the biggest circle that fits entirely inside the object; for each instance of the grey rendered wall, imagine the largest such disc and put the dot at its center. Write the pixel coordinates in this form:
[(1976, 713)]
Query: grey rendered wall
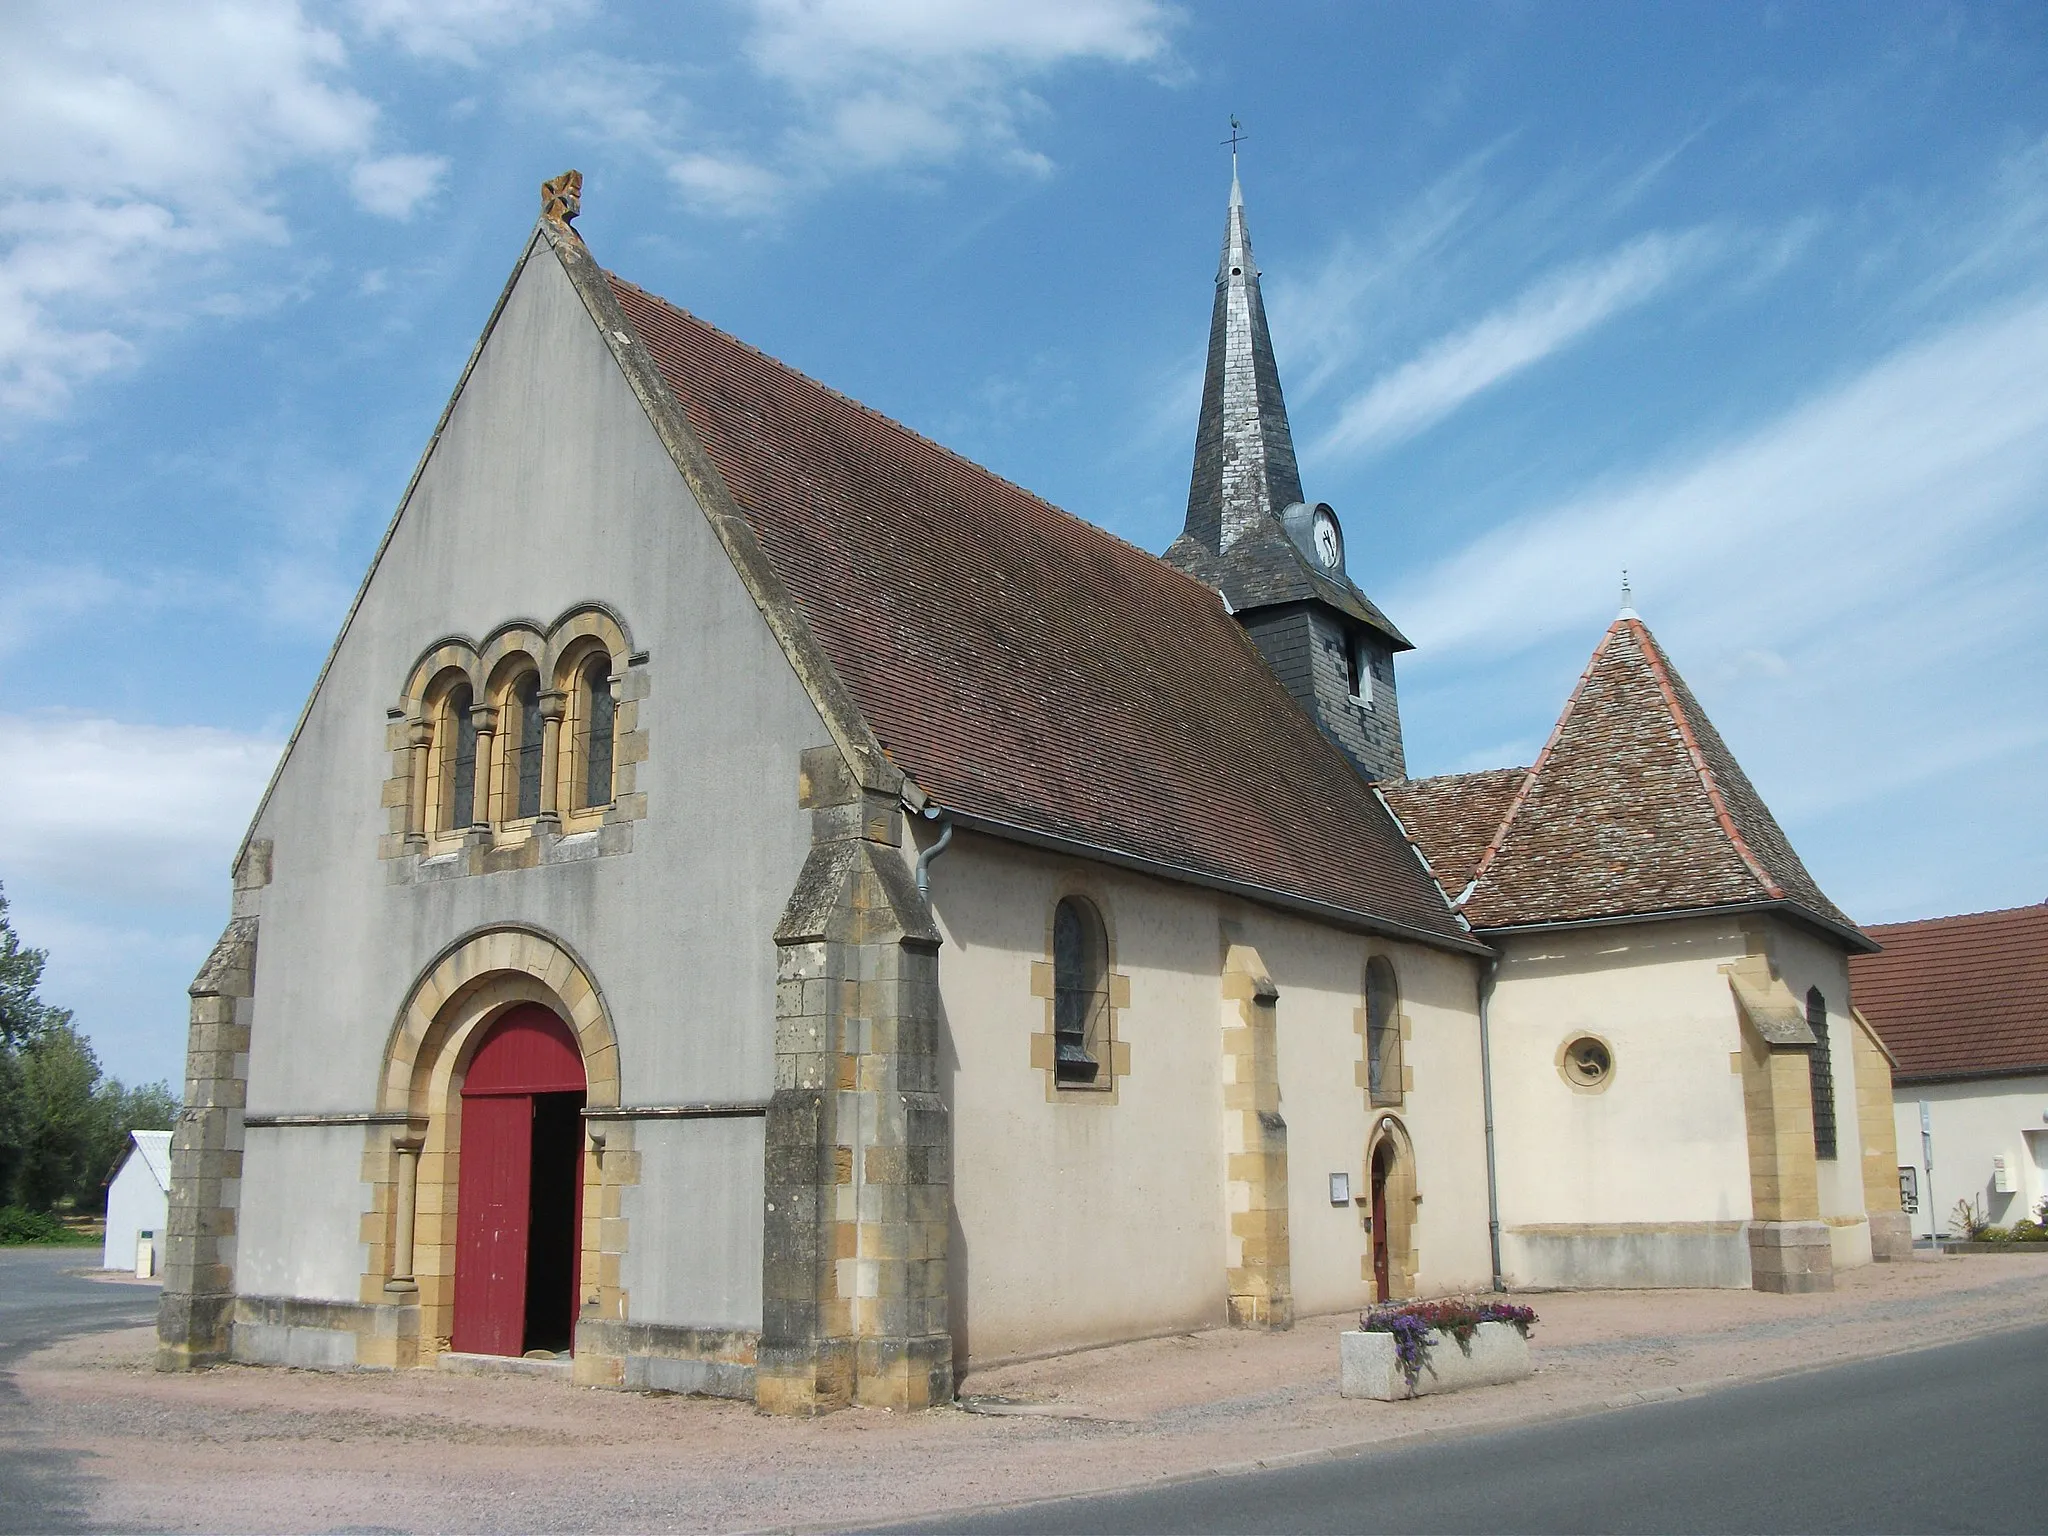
[(547, 489)]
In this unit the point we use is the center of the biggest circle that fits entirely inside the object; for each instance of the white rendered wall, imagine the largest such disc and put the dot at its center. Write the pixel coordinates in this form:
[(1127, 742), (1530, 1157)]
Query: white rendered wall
[(298, 1232), (1081, 1220), (1664, 1144), (1974, 1122), (547, 489), (136, 1203)]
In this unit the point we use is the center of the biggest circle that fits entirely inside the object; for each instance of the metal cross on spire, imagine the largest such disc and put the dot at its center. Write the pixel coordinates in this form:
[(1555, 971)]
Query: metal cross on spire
[(1236, 134)]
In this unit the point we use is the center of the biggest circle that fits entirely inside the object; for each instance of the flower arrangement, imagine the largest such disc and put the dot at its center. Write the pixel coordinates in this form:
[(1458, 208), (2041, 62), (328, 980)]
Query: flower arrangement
[(1416, 1326)]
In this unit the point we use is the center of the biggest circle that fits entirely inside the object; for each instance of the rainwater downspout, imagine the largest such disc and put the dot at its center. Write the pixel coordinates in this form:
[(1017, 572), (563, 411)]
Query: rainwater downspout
[(1486, 980), (924, 860)]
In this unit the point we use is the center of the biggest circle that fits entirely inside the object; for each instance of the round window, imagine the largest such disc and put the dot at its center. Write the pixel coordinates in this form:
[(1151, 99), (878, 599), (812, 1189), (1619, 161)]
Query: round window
[(1587, 1062)]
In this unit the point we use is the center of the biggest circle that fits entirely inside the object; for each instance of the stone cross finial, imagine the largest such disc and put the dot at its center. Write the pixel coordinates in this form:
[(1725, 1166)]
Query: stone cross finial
[(562, 198)]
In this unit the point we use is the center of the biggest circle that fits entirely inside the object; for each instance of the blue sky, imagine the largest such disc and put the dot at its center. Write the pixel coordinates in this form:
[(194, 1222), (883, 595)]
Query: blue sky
[(1750, 299)]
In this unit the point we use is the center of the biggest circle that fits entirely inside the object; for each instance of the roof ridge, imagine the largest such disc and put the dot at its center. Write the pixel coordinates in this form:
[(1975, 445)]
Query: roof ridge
[(1958, 917), (890, 421), (1536, 768), (1468, 773), (1722, 814)]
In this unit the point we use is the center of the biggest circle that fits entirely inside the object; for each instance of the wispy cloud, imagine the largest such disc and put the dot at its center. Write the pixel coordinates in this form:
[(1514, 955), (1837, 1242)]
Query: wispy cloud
[(1548, 317), (394, 186), (146, 141), (113, 810), (1868, 565), (846, 87), (459, 31)]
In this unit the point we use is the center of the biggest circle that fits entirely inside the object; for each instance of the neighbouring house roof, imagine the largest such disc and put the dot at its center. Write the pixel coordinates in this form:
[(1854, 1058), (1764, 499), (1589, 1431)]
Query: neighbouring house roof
[(1959, 996), (1635, 808), (1020, 664), (155, 1150)]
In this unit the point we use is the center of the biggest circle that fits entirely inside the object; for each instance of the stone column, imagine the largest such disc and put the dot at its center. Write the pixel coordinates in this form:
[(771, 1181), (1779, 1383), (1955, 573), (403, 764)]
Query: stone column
[(855, 1305), (1259, 1277), (419, 736), (405, 1218), (486, 718), (553, 701), (195, 1314)]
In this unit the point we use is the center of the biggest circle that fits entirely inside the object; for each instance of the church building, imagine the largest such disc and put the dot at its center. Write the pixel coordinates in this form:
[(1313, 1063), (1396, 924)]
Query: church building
[(756, 904)]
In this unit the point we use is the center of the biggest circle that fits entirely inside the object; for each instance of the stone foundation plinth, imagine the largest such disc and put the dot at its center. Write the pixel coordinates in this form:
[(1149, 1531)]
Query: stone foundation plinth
[(1791, 1256)]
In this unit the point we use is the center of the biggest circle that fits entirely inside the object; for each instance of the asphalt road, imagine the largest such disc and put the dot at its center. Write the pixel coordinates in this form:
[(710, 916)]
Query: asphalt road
[(43, 1488), (1947, 1439)]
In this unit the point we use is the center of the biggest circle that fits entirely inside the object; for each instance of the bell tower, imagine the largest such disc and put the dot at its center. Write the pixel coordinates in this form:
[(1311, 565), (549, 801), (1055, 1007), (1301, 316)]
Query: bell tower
[(1279, 560)]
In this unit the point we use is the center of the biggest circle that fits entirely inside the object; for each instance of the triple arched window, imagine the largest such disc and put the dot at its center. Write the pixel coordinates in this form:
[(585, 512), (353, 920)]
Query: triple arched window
[(525, 731)]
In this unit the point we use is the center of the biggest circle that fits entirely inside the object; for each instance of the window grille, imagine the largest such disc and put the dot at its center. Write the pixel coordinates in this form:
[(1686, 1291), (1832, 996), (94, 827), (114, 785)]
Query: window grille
[(1080, 969), (459, 792), (595, 750), (526, 755), (1382, 1032), (1821, 1064)]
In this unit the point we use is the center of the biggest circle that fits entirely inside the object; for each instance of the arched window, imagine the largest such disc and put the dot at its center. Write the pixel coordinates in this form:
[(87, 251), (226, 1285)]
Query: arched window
[(1822, 1066), (593, 731), (1080, 985), (523, 732), (455, 768), (1382, 1031)]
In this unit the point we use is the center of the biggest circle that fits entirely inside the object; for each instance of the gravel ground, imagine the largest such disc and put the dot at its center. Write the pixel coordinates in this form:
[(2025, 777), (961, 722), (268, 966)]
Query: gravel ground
[(242, 1448)]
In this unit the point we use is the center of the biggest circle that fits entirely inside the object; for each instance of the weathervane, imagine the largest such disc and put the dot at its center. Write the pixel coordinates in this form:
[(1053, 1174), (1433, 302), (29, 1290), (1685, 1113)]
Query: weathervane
[(1235, 135)]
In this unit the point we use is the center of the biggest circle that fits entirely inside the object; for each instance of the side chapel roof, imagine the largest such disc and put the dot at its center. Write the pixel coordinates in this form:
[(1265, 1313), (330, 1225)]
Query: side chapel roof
[(1635, 807), (1020, 664), (1958, 997)]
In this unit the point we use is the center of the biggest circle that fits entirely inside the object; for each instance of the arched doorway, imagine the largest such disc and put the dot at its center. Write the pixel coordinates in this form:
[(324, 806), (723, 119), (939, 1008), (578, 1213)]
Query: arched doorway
[(1390, 1178), (1382, 1266), (519, 1195)]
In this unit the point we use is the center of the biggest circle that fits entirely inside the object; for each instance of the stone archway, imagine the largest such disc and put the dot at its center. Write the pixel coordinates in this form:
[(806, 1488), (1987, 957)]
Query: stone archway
[(1390, 1158), (412, 1162)]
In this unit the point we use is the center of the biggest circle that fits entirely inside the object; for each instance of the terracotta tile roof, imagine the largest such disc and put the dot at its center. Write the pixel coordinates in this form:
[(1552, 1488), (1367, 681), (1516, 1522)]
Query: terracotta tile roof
[(1636, 806), (1454, 816), (1959, 996), (1022, 665)]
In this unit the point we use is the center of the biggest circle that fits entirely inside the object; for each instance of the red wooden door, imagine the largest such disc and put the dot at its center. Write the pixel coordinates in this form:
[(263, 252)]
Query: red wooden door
[(1380, 1266), (527, 1053), (493, 1195)]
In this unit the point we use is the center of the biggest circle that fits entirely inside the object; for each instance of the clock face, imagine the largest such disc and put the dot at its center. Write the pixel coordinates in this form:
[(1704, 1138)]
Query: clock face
[(1329, 541)]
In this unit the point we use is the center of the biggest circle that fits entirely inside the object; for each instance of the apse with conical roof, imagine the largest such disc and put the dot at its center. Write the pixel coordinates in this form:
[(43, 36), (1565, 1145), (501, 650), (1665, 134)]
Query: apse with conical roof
[(1278, 559)]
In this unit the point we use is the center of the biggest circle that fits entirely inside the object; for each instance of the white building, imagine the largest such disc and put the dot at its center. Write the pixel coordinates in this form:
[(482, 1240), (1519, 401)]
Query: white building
[(138, 1198), (1963, 1004)]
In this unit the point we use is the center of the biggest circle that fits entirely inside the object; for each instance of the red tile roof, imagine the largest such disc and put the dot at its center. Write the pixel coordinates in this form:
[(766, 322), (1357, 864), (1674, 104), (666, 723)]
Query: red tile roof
[(1635, 807), (1453, 817), (1959, 996), (1022, 665)]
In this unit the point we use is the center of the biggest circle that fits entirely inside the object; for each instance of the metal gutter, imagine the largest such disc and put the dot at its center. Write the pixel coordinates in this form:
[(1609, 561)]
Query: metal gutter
[(1286, 901), (1851, 938)]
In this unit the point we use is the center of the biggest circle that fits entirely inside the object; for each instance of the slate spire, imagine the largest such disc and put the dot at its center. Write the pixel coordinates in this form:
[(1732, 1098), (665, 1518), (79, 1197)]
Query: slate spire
[(1245, 472)]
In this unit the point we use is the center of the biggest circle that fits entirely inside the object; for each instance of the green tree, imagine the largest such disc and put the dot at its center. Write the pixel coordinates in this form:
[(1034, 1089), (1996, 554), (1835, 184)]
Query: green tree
[(62, 1123)]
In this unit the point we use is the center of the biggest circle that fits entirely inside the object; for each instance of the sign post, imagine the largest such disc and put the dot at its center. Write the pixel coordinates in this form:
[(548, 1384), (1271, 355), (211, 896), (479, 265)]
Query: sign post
[(1927, 1161)]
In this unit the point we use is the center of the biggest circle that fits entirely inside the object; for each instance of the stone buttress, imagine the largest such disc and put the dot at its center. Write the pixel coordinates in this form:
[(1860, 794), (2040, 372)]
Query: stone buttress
[(196, 1313), (858, 1199), (1259, 1270)]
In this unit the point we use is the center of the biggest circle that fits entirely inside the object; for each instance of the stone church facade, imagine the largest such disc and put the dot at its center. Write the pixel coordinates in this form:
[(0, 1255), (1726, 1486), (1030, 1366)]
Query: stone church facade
[(757, 905)]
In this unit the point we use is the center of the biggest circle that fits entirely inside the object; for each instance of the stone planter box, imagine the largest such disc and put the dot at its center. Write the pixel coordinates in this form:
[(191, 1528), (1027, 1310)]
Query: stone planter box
[(1497, 1353)]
